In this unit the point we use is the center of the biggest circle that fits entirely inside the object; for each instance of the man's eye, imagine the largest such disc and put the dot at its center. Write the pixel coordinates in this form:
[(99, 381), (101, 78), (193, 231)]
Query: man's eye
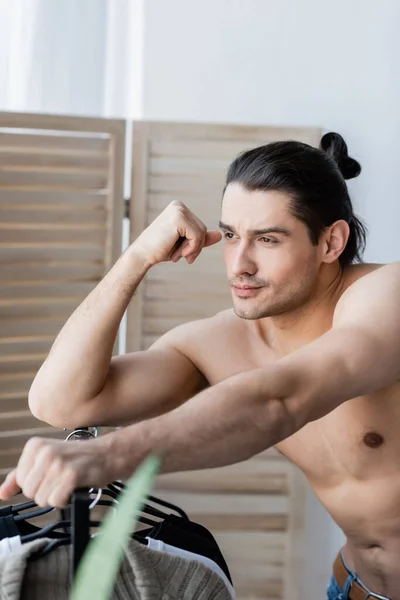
[(267, 240), (228, 235)]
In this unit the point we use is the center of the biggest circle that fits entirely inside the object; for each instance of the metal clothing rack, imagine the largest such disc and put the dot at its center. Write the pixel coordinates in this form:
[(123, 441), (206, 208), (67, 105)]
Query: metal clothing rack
[(80, 502)]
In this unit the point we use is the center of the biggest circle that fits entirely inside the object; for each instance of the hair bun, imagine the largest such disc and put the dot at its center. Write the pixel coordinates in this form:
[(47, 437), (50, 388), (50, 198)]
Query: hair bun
[(335, 146)]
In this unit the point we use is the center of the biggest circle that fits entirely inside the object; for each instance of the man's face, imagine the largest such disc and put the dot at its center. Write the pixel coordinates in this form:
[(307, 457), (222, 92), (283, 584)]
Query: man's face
[(271, 264)]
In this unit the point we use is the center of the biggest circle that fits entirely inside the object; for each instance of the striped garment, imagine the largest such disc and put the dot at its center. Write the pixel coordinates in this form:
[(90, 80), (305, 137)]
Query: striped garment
[(144, 575)]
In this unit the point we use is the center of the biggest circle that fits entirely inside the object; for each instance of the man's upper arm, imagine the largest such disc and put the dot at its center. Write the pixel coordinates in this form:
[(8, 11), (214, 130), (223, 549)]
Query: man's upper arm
[(359, 355), (142, 385)]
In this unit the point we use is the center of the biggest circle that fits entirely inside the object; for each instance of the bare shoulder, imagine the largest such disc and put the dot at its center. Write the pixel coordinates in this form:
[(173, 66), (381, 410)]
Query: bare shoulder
[(370, 292), (356, 272), (362, 276), (197, 337)]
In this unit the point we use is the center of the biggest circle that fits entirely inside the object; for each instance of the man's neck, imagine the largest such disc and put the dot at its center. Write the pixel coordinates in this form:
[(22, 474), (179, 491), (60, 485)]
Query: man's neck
[(287, 332)]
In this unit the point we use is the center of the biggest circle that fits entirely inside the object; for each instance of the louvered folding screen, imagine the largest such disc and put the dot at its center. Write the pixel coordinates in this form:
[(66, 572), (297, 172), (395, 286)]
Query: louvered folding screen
[(255, 509), (61, 208)]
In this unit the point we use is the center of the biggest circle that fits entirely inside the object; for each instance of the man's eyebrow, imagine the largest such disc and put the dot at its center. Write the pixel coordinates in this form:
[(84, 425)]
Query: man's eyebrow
[(255, 232)]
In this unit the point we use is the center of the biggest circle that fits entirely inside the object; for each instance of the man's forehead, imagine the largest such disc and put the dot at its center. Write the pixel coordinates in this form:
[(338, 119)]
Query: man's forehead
[(236, 197), (256, 211)]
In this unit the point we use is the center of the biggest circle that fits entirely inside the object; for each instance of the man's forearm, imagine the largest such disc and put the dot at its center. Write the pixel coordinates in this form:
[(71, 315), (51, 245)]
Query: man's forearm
[(77, 365), (225, 424)]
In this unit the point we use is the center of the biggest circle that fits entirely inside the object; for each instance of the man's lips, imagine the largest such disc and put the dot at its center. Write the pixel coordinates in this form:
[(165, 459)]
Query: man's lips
[(245, 291)]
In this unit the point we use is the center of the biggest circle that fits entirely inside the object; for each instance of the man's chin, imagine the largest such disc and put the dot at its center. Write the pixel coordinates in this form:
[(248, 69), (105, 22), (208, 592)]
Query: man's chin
[(249, 313)]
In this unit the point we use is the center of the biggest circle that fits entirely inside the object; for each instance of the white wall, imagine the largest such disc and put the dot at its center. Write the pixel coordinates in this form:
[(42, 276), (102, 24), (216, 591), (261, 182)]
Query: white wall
[(79, 57), (291, 62), (55, 57)]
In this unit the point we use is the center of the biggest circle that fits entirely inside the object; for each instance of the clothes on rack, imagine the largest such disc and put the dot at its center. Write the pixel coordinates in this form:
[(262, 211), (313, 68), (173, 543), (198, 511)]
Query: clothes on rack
[(145, 574), (10, 527), (160, 546), (190, 536), (10, 545)]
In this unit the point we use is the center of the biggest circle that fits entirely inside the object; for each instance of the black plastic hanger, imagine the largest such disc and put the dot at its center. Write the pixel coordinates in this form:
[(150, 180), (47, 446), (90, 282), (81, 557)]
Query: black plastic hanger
[(155, 500)]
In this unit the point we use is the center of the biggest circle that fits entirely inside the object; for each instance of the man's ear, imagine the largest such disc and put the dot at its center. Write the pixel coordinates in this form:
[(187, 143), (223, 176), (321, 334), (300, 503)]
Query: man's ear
[(334, 241)]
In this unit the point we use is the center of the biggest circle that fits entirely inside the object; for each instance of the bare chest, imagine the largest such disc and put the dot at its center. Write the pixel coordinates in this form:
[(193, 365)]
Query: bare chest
[(359, 439)]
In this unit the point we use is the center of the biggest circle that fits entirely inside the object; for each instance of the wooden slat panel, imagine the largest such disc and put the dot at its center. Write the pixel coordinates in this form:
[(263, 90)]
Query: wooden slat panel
[(239, 504), (255, 477), (161, 289), (16, 382), (178, 309), (181, 186), (204, 132), (62, 124), (32, 327), (65, 145), (266, 547), (157, 202), (17, 439), (205, 150), (49, 289), (207, 265), (21, 363), (259, 590), (38, 307), (188, 166), (220, 142), (17, 420), (61, 207), (36, 159), (54, 271), (296, 536), (11, 346), (239, 522), (75, 199), (58, 216), (53, 233), (54, 251), (12, 402), (255, 573), (47, 179)]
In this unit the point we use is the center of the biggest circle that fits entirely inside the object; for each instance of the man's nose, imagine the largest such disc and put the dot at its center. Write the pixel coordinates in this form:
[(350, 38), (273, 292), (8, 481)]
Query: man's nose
[(243, 262)]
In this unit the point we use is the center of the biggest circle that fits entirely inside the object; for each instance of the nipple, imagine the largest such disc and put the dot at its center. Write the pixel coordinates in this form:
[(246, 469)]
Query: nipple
[(373, 439)]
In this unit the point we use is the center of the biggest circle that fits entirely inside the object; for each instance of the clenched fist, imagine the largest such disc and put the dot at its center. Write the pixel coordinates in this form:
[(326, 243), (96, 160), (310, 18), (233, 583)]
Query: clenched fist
[(174, 234), (49, 471)]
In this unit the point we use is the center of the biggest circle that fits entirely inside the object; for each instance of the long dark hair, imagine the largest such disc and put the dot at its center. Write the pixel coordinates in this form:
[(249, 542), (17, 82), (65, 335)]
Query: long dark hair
[(314, 178)]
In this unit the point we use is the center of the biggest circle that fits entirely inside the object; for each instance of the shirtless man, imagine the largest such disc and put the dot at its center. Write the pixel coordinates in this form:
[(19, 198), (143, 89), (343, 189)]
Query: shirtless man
[(307, 360)]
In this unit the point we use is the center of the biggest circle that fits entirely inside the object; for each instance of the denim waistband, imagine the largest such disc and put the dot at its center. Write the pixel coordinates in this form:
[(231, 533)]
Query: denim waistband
[(353, 577)]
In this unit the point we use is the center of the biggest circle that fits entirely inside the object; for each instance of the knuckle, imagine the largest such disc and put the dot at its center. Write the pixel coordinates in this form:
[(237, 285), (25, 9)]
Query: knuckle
[(59, 499), (71, 476), (34, 443), (177, 204), (57, 465), (46, 453), (200, 238), (27, 489), (18, 477), (197, 243), (41, 500)]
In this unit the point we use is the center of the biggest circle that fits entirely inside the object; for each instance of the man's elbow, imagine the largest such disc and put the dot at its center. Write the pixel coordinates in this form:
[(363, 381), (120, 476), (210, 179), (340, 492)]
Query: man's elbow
[(43, 408)]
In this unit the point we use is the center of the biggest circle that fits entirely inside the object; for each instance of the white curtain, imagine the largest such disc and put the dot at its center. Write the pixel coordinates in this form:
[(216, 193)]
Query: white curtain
[(17, 31), (79, 57), (123, 85)]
